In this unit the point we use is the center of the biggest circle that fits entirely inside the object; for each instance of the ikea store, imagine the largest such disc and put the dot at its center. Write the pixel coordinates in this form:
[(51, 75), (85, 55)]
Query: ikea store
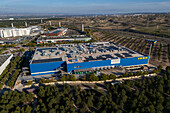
[(83, 56)]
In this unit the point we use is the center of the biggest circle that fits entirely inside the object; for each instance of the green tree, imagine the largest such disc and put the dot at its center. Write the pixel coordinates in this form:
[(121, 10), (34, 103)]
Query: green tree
[(160, 67), (168, 70), (125, 74), (160, 88), (42, 81), (41, 92), (52, 110), (63, 78), (1, 85), (92, 77), (72, 78), (28, 109), (104, 77), (89, 102), (159, 108), (43, 108), (130, 74), (112, 76), (78, 100), (118, 111)]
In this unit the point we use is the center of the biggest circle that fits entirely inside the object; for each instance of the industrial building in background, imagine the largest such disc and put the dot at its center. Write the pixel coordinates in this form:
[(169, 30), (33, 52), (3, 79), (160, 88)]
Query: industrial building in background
[(55, 39), (7, 19), (57, 32), (15, 32), (58, 35), (82, 57), (4, 61)]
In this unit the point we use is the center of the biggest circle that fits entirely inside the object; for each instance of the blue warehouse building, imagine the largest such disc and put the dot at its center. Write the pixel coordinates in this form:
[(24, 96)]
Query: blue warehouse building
[(72, 57)]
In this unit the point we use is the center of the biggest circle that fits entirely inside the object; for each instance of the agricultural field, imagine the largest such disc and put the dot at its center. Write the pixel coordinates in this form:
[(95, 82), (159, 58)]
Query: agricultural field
[(159, 54)]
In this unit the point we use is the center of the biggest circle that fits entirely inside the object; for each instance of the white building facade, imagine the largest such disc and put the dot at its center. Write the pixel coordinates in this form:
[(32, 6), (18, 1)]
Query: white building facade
[(14, 32)]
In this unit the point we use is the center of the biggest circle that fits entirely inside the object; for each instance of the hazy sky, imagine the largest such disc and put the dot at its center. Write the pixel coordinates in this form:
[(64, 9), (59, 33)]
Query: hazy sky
[(83, 6)]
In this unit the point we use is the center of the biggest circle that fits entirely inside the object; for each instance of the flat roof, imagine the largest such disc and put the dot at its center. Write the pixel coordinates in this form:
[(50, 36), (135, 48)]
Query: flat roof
[(47, 60), (3, 58), (62, 37), (83, 52), (55, 31)]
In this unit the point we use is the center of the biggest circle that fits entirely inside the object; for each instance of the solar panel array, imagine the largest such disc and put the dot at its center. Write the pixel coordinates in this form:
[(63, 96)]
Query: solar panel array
[(3, 58)]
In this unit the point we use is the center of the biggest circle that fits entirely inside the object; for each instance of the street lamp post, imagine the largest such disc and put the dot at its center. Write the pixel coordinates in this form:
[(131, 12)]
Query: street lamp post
[(151, 42), (150, 52)]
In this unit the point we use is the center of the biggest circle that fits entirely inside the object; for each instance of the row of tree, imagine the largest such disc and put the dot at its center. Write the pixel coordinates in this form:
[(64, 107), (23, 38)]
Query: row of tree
[(9, 69), (90, 77), (11, 72), (31, 44), (7, 45), (132, 43), (104, 77), (19, 50), (127, 41), (143, 47), (121, 41), (136, 46)]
